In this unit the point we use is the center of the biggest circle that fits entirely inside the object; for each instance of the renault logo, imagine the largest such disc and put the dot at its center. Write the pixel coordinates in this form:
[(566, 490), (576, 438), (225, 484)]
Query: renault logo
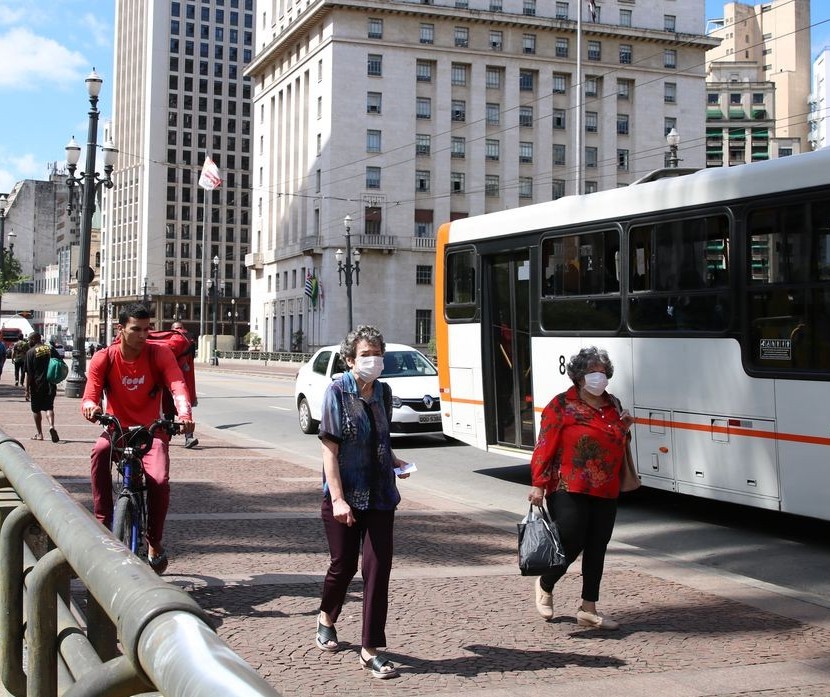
[(428, 401)]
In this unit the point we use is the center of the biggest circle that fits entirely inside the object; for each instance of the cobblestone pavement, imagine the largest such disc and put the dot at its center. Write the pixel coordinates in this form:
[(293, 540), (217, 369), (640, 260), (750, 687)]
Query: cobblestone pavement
[(246, 541)]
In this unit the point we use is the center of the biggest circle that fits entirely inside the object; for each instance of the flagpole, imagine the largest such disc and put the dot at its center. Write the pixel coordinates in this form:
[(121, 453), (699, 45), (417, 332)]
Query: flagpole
[(204, 262), (579, 93)]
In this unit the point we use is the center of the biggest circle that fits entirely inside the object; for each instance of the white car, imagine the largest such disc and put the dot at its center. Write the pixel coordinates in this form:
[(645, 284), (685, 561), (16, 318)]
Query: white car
[(416, 407)]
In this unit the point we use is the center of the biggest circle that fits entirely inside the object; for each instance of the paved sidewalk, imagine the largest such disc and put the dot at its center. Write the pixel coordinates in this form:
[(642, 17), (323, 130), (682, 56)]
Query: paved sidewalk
[(245, 539)]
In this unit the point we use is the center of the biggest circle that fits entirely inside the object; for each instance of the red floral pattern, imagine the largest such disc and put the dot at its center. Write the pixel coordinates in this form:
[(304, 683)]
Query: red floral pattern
[(580, 449)]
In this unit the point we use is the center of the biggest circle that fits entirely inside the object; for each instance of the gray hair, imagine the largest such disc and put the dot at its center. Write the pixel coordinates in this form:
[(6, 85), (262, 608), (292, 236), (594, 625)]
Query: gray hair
[(365, 332), (578, 366)]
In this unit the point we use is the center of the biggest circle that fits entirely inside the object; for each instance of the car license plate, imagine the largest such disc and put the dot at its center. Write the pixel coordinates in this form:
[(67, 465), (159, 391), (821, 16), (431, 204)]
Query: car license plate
[(429, 418)]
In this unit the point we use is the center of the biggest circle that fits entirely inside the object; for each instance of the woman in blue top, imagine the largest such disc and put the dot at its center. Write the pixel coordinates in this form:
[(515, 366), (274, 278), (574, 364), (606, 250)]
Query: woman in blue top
[(360, 494)]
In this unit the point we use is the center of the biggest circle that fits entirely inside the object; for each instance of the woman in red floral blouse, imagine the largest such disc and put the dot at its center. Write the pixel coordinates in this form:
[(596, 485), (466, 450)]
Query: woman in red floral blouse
[(576, 466)]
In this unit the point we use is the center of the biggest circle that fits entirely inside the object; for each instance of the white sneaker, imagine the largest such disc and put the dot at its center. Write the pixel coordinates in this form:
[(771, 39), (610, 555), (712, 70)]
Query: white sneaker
[(544, 600)]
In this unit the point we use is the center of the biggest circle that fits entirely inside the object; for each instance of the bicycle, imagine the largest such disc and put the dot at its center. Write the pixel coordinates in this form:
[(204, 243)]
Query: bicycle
[(129, 520)]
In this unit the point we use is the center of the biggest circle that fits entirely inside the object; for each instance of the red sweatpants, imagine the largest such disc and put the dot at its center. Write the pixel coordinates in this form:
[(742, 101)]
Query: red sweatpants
[(156, 475)]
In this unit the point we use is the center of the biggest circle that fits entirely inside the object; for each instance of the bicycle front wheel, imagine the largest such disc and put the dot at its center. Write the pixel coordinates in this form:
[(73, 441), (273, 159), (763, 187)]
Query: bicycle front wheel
[(127, 522)]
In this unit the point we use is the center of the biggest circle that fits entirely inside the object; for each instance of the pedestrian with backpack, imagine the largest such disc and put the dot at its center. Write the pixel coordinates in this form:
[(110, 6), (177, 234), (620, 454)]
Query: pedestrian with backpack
[(186, 363), (19, 359), (39, 391), (132, 373)]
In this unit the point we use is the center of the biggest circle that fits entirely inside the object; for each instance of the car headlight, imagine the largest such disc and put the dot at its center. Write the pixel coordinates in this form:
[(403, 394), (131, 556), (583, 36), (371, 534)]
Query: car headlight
[(396, 402)]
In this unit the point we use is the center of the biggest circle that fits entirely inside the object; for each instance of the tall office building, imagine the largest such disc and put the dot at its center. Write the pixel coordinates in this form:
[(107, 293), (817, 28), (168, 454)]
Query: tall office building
[(820, 100), (179, 95), (758, 83), (403, 115)]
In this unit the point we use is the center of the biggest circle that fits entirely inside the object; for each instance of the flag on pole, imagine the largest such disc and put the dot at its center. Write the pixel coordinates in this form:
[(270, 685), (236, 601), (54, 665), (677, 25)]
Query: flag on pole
[(592, 8), (308, 284), (312, 288), (210, 178)]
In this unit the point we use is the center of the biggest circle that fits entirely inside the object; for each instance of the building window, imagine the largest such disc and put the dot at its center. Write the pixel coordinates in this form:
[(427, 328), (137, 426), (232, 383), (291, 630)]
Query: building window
[(560, 83), (561, 48), (423, 108), (559, 155), (559, 118), (423, 223), (785, 152), (462, 4), (375, 30), (624, 88), (594, 51), (457, 182), (423, 326), (525, 152), (459, 110), (496, 40), (526, 80), (591, 157), (529, 43), (372, 141), (492, 78), (561, 10), (625, 54), (591, 86), (670, 92), (491, 149), (668, 123), (622, 160), (319, 107), (670, 58), (625, 18), (622, 124), (373, 102), (525, 187), (423, 71), (735, 98), (375, 65), (591, 121), (459, 74), (423, 275), (669, 23), (422, 180), (495, 5), (373, 177), (591, 187), (713, 98), (491, 185), (558, 189), (462, 37), (526, 116), (529, 8), (427, 33), (458, 147), (493, 114), (423, 144)]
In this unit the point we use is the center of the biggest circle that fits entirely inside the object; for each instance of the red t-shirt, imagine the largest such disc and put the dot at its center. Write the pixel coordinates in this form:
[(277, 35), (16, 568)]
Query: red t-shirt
[(134, 388), (580, 449)]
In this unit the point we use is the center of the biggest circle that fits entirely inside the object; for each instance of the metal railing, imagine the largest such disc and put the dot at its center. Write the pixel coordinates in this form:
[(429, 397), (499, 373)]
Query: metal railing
[(48, 647)]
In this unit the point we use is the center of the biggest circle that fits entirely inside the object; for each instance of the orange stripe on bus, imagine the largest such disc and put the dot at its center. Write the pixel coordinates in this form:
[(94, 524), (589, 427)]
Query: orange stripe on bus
[(442, 339), (733, 431)]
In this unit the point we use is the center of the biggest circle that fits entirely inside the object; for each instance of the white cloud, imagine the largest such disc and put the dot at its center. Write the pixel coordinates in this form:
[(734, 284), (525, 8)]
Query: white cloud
[(7, 180), (28, 165), (33, 60), (100, 31)]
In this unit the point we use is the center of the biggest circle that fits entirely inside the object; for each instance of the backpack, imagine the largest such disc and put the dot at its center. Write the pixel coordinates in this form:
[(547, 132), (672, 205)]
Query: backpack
[(57, 371), (184, 349)]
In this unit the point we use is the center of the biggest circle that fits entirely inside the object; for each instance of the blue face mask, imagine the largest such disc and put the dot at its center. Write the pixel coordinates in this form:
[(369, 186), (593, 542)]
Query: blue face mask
[(595, 383)]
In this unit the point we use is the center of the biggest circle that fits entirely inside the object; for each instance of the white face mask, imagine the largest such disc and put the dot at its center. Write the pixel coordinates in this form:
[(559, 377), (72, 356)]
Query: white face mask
[(595, 383), (367, 368)]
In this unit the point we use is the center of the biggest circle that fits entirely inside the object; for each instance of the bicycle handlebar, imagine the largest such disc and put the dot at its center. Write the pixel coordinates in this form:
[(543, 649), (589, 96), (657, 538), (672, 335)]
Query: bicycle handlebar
[(138, 437)]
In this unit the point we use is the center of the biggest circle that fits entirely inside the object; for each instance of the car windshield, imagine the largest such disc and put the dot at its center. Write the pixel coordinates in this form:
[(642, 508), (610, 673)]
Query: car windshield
[(406, 364)]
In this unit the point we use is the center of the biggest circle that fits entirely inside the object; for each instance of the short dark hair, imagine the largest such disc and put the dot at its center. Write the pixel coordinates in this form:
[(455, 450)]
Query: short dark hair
[(135, 310), (365, 332), (34, 338), (580, 363)]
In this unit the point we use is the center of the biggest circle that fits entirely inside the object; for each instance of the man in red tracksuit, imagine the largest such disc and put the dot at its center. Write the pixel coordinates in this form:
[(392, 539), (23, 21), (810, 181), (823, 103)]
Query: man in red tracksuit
[(132, 374)]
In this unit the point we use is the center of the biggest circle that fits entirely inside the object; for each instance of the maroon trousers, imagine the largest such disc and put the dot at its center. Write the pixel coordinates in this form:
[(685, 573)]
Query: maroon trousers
[(372, 530)]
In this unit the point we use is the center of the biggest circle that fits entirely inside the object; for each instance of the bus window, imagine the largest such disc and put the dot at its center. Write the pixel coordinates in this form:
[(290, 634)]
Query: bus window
[(788, 273), (460, 301), (581, 282), (678, 275)]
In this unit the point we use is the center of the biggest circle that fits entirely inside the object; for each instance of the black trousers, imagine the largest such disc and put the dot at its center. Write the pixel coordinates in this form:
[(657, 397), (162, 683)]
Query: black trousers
[(373, 531), (585, 525)]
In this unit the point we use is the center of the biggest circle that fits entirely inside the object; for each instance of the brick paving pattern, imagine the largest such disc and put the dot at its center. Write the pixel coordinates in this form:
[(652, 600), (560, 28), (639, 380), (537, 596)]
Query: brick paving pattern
[(246, 541)]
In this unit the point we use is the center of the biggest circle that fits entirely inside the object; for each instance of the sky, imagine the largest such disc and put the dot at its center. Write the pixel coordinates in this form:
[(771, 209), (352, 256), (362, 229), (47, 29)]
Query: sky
[(48, 47)]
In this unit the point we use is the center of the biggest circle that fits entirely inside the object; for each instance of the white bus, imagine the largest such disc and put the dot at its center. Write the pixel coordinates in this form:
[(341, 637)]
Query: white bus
[(711, 293)]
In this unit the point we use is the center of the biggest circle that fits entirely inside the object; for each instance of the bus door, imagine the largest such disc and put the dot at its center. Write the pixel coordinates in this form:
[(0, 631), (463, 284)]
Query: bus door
[(510, 403)]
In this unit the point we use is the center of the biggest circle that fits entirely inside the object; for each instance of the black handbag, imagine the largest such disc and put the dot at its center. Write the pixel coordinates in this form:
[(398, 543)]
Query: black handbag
[(540, 548)]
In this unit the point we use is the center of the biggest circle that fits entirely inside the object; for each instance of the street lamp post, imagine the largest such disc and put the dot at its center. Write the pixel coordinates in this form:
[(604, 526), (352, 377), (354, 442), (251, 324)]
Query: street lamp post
[(233, 315), (214, 358), (673, 139), (4, 202), (89, 183), (351, 269)]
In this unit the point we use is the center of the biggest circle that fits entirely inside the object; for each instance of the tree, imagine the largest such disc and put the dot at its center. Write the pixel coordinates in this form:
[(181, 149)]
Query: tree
[(253, 340), (11, 273)]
